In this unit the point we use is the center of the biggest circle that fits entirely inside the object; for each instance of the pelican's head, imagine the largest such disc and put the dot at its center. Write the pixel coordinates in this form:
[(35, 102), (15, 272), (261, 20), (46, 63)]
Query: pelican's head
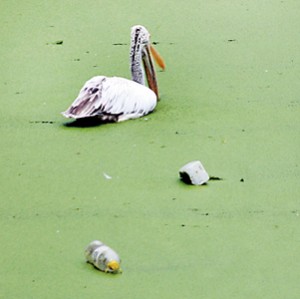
[(140, 35), (142, 50)]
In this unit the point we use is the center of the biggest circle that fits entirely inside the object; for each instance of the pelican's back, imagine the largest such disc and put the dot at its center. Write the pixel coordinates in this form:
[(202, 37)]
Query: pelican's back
[(112, 98)]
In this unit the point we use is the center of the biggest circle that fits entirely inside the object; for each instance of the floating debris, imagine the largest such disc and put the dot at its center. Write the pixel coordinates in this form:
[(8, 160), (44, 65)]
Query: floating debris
[(58, 42), (215, 178), (120, 44), (108, 177), (102, 257), (193, 173), (42, 122)]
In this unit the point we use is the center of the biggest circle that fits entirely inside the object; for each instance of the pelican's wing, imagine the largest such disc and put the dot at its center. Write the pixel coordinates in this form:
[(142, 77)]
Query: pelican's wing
[(115, 99), (88, 101)]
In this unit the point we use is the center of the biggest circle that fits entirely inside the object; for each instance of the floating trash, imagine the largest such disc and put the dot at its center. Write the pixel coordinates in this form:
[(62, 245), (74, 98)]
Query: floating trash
[(193, 173), (58, 42), (102, 257), (107, 176)]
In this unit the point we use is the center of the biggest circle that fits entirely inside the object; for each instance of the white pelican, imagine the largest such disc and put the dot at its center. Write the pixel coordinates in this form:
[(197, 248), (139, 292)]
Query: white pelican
[(117, 99)]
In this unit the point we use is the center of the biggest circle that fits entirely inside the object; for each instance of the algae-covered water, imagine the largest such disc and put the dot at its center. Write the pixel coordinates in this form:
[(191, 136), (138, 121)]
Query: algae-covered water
[(229, 97)]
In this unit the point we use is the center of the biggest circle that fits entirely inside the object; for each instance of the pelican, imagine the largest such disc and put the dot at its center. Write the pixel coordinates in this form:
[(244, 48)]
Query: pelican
[(115, 99)]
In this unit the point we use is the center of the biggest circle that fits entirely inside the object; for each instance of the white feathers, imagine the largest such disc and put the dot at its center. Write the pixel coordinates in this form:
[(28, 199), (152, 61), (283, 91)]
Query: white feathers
[(107, 176), (102, 257), (105, 97)]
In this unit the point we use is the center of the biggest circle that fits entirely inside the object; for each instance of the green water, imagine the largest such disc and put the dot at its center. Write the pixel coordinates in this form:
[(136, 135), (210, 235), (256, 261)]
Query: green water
[(229, 97)]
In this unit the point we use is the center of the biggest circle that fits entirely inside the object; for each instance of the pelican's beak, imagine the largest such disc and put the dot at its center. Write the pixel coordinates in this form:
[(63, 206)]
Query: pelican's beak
[(158, 59), (149, 68)]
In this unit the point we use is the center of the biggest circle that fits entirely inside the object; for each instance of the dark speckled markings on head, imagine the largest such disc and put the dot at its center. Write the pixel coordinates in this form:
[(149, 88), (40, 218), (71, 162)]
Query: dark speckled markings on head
[(136, 44)]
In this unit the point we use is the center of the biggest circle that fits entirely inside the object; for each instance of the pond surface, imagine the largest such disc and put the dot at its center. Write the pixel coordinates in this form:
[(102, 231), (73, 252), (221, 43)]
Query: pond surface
[(229, 97)]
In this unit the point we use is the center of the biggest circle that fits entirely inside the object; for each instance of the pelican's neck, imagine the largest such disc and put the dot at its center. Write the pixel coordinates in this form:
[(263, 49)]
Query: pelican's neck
[(137, 71)]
